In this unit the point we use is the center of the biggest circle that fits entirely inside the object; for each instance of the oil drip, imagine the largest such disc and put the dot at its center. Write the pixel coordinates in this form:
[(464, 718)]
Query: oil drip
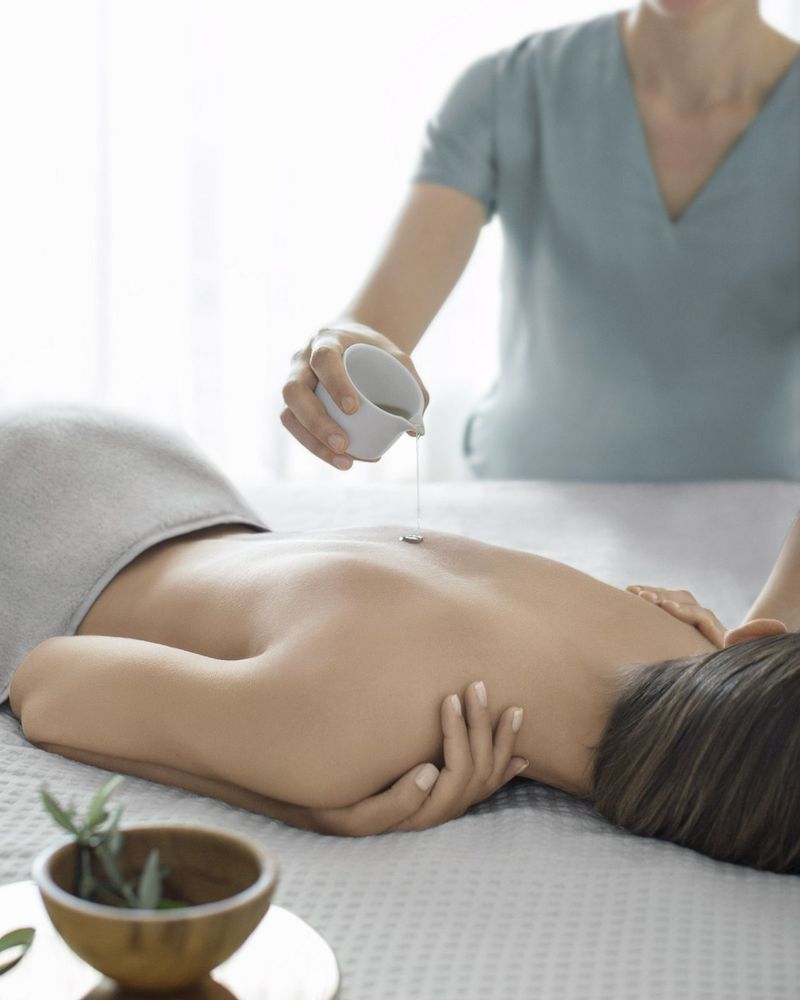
[(415, 539)]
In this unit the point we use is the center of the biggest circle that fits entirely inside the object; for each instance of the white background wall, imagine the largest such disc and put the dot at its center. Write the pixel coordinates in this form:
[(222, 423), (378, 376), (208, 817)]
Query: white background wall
[(189, 188)]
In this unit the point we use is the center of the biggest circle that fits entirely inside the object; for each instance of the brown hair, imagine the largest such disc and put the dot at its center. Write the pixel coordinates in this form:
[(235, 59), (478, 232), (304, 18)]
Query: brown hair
[(705, 751)]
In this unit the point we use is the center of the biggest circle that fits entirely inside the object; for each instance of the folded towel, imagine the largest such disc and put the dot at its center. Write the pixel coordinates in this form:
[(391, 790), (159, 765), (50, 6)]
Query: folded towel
[(83, 491)]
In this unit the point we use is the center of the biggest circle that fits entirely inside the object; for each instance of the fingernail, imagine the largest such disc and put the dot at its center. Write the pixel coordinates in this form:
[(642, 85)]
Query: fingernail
[(480, 691), (455, 703), (336, 441), (342, 463), (426, 777), (523, 765), (516, 720), (348, 404)]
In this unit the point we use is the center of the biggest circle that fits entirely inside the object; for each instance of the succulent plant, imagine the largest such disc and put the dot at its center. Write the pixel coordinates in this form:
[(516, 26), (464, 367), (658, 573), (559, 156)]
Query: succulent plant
[(105, 843)]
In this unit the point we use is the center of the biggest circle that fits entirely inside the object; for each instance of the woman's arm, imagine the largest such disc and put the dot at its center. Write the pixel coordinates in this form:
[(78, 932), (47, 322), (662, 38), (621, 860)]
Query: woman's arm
[(476, 765), (406, 805), (161, 713)]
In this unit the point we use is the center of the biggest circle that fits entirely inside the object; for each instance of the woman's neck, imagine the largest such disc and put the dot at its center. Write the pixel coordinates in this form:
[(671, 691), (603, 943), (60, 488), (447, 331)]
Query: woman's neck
[(677, 58)]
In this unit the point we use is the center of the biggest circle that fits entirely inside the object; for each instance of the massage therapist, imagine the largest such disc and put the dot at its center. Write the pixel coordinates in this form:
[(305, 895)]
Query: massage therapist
[(645, 168)]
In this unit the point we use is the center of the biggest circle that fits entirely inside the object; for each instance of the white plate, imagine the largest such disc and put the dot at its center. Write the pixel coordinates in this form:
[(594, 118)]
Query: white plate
[(283, 959)]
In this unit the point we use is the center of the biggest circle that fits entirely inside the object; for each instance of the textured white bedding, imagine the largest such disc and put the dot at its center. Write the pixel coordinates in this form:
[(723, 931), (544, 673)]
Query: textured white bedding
[(528, 895)]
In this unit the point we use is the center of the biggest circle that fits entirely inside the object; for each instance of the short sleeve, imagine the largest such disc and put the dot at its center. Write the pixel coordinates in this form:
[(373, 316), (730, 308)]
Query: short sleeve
[(458, 147)]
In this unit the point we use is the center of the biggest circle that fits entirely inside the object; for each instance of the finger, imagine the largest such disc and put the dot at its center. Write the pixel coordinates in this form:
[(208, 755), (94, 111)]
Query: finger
[(640, 589), (505, 766), (457, 751), (661, 593), (444, 805), (683, 605), (293, 425), (703, 619), (382, 812), (307, 408), (656, 596), (650, 593), (515, 767), (479, 731), (326, 363), (447, 801)]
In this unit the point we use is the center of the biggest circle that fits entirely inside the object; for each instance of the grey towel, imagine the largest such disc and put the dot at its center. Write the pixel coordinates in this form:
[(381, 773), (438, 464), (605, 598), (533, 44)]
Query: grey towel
[(83, 491)]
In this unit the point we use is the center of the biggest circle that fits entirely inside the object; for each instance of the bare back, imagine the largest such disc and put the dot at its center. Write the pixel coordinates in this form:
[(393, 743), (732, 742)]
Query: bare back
[(390, 629)]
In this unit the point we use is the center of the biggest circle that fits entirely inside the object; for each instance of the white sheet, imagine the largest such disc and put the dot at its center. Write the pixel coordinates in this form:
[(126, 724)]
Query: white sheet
[(527, 895)]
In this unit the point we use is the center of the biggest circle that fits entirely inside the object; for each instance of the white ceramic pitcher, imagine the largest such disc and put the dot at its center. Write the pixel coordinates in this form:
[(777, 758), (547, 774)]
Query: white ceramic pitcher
[(383, 385)]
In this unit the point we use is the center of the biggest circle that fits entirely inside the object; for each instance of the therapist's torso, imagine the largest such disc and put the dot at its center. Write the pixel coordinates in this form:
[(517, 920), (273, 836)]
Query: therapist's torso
[(633, 346)]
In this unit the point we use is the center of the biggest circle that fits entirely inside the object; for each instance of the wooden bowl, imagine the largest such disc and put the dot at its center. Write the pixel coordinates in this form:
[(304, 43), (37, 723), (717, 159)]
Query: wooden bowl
[(228, 878)]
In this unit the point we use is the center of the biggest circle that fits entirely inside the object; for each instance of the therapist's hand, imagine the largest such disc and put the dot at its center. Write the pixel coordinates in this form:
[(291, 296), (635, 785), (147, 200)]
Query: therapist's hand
[(684, 606), (321, 361), (476, 764)]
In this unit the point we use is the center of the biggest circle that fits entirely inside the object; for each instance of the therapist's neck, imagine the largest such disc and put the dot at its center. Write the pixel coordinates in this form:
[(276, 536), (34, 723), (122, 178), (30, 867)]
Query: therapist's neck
[(694, 54)]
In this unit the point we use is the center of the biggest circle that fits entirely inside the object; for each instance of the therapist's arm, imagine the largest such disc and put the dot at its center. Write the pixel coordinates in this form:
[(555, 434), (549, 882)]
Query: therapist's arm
[(423, 257), (780, 596)]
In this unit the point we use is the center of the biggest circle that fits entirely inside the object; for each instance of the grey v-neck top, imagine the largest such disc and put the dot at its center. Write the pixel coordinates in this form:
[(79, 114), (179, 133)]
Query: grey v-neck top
[(632, 346)]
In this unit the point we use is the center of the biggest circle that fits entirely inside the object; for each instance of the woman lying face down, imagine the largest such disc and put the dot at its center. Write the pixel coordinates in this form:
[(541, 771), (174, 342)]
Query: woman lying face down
[(299, 674)]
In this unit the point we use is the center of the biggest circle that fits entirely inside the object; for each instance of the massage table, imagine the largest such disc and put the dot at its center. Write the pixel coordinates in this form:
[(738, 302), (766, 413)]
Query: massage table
[(529, 895)]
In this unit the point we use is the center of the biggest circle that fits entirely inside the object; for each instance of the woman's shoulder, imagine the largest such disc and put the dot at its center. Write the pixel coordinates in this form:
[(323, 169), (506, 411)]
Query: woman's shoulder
[(555, 58), (567, 47)]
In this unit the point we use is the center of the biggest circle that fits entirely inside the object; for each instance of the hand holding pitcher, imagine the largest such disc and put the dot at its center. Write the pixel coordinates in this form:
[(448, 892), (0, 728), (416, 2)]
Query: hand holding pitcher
[(323, 431)]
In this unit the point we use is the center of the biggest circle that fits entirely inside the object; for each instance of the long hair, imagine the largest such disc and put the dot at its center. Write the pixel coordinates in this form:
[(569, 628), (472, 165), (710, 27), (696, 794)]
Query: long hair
[(705, 751)]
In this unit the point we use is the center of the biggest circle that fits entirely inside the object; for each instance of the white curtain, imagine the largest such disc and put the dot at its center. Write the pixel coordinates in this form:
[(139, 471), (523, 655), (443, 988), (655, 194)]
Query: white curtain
[(189, 188)]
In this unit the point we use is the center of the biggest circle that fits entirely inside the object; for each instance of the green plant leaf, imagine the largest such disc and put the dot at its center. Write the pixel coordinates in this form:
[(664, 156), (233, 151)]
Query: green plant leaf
[(87, 885), (96, 814), (58, 814), (108, 895), (109, 862), (86, 881), (115, 837), (149, 890), (20, 937), (125, 889)]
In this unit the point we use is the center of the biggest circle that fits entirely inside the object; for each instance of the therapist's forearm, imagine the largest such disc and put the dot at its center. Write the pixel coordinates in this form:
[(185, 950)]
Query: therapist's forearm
[(422, 259), (780, 595)]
